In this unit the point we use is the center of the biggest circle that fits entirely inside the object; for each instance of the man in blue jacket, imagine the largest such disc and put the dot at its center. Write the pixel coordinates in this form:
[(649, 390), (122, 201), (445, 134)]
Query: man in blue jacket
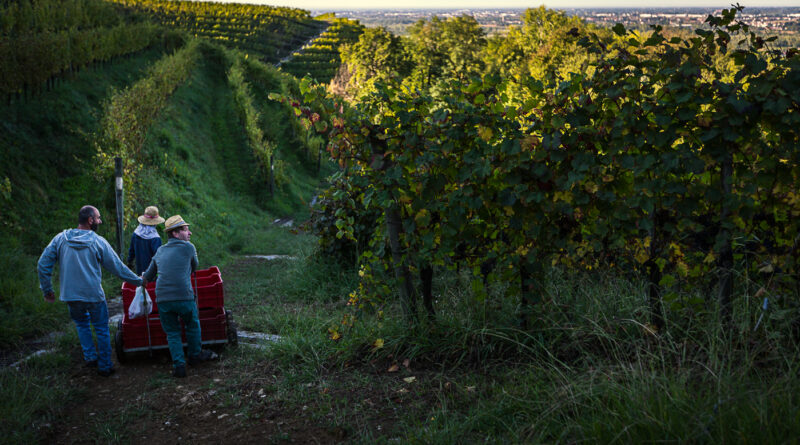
[(174, 264), (80, 254)]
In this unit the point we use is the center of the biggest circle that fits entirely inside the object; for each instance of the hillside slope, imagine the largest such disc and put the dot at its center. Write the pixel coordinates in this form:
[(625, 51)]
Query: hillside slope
[(46, 161), (195, 161)]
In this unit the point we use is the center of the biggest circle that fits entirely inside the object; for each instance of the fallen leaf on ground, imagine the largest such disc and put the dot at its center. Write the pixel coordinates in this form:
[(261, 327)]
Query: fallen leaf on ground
[(393, 368), (409, 379)]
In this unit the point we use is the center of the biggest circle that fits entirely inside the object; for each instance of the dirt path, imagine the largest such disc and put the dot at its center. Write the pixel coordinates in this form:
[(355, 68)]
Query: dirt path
[(231, 400), (143, 402)]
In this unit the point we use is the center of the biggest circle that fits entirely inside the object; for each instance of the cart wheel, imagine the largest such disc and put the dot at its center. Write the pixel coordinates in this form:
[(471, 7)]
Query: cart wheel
[(233, 336), (121, 356)]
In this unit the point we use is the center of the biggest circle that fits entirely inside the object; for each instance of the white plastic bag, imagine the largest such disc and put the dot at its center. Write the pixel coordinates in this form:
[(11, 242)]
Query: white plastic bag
[(141, 305)]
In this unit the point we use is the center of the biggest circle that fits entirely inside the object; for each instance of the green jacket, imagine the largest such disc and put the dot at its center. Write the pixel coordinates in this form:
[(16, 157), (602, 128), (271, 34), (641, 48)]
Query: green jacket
[(174, 264)]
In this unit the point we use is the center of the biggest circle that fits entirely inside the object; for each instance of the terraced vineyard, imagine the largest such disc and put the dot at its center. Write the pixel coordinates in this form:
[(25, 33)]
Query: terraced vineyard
[(321, 59), (267, 31), (43, 39)]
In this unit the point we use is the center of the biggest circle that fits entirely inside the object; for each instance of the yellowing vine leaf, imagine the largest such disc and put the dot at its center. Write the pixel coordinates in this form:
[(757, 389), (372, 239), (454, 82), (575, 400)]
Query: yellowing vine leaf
[(485, 133)]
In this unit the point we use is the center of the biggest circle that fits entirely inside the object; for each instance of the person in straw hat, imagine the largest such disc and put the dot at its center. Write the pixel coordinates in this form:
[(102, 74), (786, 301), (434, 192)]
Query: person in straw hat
[(174, 264), (145, 240)]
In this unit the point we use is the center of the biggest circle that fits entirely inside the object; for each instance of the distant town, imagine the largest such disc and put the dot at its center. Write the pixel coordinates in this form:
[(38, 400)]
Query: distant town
[(778, 21)]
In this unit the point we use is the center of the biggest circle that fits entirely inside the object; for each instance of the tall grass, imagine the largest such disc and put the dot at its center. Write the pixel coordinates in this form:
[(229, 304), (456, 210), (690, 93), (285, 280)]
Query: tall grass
[(592, 371), (23, 310), (30, 397)]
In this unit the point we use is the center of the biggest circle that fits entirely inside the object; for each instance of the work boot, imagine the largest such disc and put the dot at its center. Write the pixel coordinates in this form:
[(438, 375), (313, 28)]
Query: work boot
[(204, 356), (179, 372), (106, 372)]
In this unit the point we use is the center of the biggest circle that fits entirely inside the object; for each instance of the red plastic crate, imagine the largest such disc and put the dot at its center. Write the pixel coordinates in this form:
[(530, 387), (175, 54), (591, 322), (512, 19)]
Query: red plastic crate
[(210, 271), (206, 280), (213, 326), (210, 296), (209, 289), (213, 329), (135, 333)]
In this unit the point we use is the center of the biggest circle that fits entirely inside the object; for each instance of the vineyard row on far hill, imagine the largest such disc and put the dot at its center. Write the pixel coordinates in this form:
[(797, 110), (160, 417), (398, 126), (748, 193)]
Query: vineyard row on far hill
[(321, 59), (267, 31), (43, 39)]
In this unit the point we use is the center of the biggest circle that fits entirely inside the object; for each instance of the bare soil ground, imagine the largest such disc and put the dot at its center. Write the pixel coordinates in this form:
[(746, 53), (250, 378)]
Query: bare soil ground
[(220, 402), (142, 401), (235, 400)]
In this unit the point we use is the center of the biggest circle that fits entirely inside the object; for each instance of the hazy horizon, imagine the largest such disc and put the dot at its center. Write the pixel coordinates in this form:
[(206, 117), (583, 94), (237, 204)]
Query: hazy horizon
[(510, 4)]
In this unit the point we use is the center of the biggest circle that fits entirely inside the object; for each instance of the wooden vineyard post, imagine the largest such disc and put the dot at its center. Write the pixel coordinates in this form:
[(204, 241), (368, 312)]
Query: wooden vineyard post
[(119, 196)]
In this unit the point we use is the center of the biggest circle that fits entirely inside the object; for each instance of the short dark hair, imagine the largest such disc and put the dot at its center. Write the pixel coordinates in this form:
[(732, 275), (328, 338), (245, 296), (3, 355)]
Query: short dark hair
[(177, 229), (85, 213)]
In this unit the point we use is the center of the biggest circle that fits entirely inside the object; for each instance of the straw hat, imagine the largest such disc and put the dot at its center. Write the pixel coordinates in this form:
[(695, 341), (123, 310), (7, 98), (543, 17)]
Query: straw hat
[(173, 222), (150, 217)]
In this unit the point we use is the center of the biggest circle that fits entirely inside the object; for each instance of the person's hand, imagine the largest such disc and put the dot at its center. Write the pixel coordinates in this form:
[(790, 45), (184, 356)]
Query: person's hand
[(50, 297)]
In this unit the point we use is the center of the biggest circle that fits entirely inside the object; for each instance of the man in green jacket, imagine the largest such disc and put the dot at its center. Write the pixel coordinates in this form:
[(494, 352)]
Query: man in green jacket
[(174, 264)]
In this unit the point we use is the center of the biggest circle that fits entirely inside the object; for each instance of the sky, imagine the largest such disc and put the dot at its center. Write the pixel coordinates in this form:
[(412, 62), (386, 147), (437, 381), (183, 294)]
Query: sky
[(486, 4)]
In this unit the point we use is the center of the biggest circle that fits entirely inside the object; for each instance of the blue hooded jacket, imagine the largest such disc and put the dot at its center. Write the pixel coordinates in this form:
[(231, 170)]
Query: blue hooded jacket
[(80, 255), (142, 250)]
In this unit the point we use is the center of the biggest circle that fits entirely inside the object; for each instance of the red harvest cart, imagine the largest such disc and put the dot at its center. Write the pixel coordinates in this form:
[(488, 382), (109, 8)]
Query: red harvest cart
[(146, 334)]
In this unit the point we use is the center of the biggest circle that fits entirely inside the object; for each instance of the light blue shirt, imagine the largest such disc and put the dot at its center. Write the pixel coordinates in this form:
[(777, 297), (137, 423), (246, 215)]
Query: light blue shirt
[(80, 254)]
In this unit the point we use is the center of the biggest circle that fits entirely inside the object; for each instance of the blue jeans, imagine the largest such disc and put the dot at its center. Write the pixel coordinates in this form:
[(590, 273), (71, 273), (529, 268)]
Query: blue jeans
[(85, 314), (168, 313)]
